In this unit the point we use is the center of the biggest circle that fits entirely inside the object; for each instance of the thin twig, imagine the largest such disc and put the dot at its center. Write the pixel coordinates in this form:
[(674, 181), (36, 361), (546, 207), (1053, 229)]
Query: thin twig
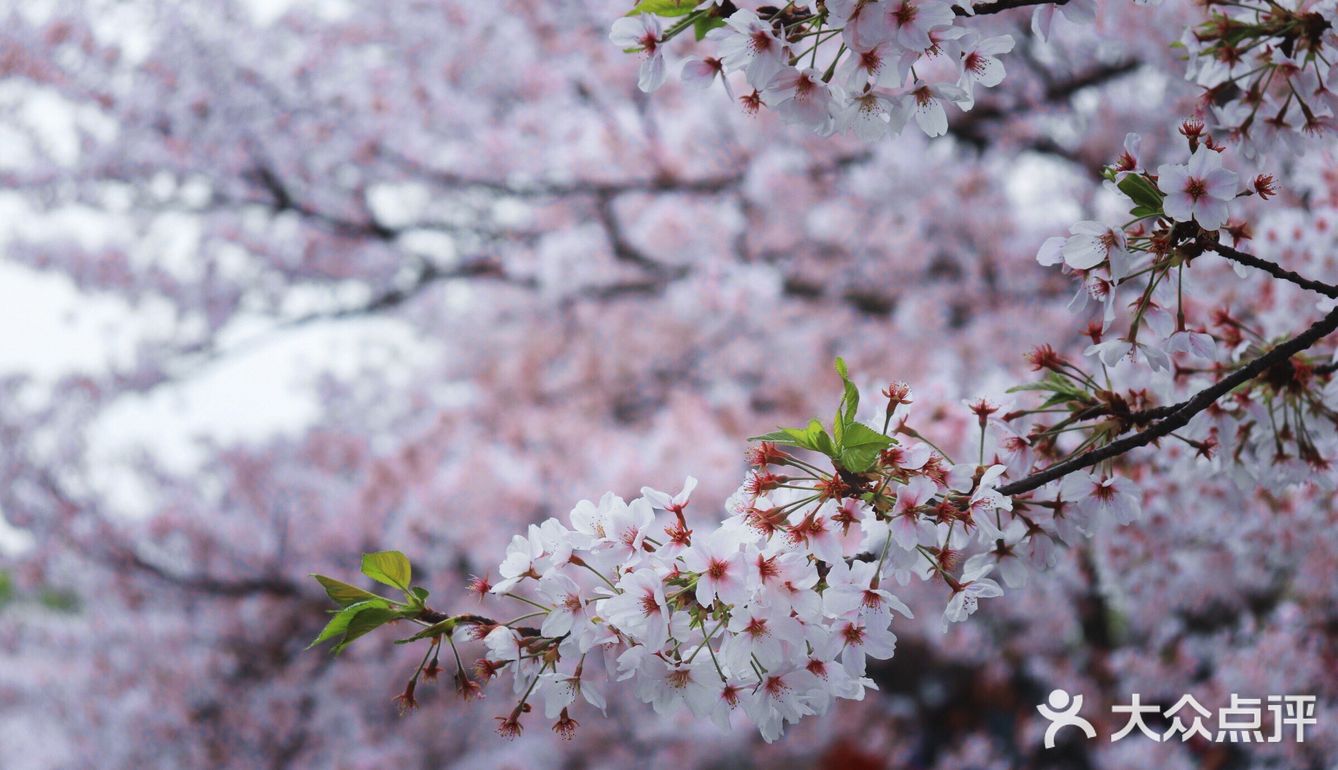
[(1184, 412)]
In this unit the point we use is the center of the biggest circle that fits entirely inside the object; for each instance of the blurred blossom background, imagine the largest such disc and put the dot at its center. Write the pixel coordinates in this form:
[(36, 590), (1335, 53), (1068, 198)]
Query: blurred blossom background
[(283, 281)]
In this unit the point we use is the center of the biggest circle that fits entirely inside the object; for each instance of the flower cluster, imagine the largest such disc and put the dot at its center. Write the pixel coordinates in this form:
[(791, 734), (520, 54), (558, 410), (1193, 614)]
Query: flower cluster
[(866, 66), (1278, 428), (1177, 214), (776, 610), (1265, 69)]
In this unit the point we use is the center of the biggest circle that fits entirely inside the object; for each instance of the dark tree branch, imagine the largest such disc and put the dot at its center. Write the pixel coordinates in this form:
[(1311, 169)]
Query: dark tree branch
[(214, 586), (1182, 413), (1273, 269)]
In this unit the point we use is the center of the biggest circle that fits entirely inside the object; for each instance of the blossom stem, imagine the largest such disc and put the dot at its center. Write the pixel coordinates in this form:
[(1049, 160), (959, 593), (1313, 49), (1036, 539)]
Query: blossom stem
[(909, 431), (600, 575), (707, 641), (530, 602)]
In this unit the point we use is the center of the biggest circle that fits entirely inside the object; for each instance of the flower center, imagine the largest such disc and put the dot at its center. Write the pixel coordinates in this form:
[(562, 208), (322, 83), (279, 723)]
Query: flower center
[(871, 62), (853, 634), (1104, 493), (757, 628), (974, 63), (648, 604), (905, 14), (679, 678), (1195, 188), (767, 568), (760, 41)]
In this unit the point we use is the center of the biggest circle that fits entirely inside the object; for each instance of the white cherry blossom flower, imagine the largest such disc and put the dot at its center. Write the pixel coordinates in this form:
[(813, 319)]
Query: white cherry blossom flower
[(800, 96), (1103, 497), (640, 609), (747, 43), (721, 567), (927, 102), (909, 529), (663, 684), (874, 115), (909, 22), (850, 591), (569, 610), (967, 593), (761, 633), (1092, 243), (1196, 344), (980, 60), (1004, 555), (642, 32), (520, 560), (662, 501), (699, 74), (779, 700), (864, 637), (1076, 11), (1199, 190)]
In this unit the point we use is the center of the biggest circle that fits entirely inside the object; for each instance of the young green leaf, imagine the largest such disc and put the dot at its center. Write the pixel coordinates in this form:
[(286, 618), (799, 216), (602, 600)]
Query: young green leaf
[(819, 440), (446, 627), (365, 621), (339, 623), (850, 395), (342, 593), (861, 447), (782, 436), (1141, 191), (388, 567), (667, 8), (705, 24)]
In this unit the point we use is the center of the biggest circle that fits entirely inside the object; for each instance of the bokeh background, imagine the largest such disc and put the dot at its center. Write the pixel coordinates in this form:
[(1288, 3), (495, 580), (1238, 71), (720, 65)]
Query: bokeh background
[(282, 281)]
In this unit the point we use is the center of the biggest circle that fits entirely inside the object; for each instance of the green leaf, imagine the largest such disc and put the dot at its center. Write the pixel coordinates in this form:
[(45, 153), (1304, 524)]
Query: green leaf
[(861, 447), (858, 459), (859, 434), (420, 593), (388, 567), (776, 437), (363, 622), (1051, 382), (850, 397), (820, 441), (705, 24), (1141, 191), (439, 628), (667, 8), (339, 623), (342, 593)]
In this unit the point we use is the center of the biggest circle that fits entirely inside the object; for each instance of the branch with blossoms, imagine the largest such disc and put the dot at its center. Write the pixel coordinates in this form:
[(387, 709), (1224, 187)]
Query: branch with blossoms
[(775, 611), (869, 67)]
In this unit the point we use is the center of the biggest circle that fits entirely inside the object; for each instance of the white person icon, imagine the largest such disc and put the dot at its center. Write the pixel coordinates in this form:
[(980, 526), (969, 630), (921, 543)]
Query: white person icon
[(1062, 711)]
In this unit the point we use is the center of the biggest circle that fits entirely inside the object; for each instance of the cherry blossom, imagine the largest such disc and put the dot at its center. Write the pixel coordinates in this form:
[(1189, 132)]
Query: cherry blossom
[(1199, 190), (642, 32)]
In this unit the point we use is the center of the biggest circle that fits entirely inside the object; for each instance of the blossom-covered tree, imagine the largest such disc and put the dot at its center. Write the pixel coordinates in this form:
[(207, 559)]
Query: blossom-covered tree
[(608, 289)]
